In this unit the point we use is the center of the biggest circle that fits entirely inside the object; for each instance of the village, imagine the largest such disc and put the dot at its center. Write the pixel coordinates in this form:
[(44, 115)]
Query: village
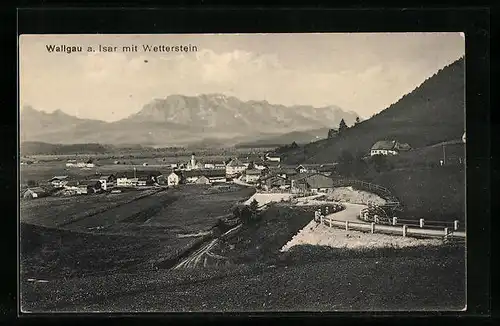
[(265, 172)]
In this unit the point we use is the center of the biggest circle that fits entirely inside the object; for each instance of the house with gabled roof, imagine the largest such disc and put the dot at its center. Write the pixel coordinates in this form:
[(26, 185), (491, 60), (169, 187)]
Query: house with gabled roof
[(252, 175), (273, 182), (384, 147), (234, 168), (59, 181), (35, 192), (175, 178), (313, 182)]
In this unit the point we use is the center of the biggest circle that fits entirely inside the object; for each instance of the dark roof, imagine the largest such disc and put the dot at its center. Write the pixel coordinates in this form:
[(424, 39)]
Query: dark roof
[(59, 177), (272, 177), (88, 182), (107, 176), (319, 181), (37, 190), (300, 176), (281, 170), (206, 173), (138, 174), (384, 145), (403, 146), (235, 162)]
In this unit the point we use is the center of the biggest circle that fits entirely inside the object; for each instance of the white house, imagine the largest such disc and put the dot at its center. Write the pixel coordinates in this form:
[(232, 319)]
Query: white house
[(59, 181), (209, 166), (220, 166), (273, 158), (35, 192), (234, 168), (173, 179), (384, 147), (123, 181), (259, 166)]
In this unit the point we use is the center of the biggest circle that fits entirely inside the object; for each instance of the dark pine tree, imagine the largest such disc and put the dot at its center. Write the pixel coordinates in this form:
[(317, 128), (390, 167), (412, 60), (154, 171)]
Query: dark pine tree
[(342, 126)]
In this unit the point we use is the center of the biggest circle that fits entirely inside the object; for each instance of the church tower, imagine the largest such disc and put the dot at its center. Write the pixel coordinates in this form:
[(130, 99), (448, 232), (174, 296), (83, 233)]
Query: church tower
[(193, 161)]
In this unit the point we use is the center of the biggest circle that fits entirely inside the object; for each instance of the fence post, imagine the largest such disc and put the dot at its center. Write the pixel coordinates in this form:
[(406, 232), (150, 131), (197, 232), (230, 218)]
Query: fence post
[(373, 227), (445, 232), (347, 225), (394, 220), (455, 224), (421, 222), (321, 218), (404, 230), (330, 222)]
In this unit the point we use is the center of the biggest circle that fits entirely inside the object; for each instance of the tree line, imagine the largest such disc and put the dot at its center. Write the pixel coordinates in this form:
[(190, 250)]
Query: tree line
[(341, 129)]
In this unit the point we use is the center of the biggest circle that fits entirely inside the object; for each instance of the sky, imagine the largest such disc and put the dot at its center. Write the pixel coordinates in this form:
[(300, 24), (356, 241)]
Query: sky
[(360, 72)]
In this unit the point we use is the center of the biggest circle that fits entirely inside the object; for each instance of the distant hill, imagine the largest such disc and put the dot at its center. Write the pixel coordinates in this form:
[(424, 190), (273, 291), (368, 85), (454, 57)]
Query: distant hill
[(179, 120), (34, 148), (299, 137), (434, 112)]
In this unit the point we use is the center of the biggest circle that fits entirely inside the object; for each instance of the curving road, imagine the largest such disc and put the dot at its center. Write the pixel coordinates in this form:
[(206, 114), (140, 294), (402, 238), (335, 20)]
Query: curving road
[(350, 213)]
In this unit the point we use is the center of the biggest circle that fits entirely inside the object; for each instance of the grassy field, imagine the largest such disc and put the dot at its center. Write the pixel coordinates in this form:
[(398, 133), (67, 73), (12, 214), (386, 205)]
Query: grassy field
[(52, 254), (347, 280), (75, 236), (431, 193), (61, 211)]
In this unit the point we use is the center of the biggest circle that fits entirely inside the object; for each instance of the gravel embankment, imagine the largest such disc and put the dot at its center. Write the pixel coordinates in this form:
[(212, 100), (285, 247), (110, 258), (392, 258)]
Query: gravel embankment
[(350, 195), (322, 235)]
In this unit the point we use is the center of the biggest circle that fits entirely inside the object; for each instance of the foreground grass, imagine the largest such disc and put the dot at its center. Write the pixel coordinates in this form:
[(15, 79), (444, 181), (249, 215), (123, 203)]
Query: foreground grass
[(432, 279), (431, 193)]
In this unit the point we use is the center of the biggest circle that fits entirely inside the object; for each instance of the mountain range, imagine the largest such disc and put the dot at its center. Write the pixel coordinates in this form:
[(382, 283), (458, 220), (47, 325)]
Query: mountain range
[(179, 120), (434, 112)]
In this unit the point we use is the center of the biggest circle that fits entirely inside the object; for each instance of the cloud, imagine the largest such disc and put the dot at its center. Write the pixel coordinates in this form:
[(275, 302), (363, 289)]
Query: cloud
[(359, 74)]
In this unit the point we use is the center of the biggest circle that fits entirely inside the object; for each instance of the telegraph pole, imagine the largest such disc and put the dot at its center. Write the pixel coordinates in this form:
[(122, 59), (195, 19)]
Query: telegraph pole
[(134, 172), (444, 154)]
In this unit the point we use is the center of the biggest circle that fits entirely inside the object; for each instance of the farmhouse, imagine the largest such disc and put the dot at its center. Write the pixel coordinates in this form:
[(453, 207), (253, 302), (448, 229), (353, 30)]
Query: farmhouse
[(384, 147), (273, 182), (35, 192), (272, 157), (252, 175), (212, 175), (107, 181), (92, 185), (234, 168), (174, 178), (315, 182), (59, 181), (284, 172)]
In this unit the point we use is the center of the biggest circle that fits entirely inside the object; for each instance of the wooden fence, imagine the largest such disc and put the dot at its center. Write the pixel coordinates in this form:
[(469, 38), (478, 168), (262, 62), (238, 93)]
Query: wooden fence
[(402, 230)]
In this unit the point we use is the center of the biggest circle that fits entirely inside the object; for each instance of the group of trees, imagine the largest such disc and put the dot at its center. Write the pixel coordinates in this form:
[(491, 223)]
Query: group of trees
[(247, 214), (342, 127)]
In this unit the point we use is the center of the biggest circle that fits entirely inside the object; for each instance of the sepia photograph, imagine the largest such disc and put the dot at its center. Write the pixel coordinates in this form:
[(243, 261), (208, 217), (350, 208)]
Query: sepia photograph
[(307, 172)]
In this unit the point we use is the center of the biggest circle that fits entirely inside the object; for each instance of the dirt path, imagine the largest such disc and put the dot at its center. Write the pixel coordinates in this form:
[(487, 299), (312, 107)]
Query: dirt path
[(350, 213)]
